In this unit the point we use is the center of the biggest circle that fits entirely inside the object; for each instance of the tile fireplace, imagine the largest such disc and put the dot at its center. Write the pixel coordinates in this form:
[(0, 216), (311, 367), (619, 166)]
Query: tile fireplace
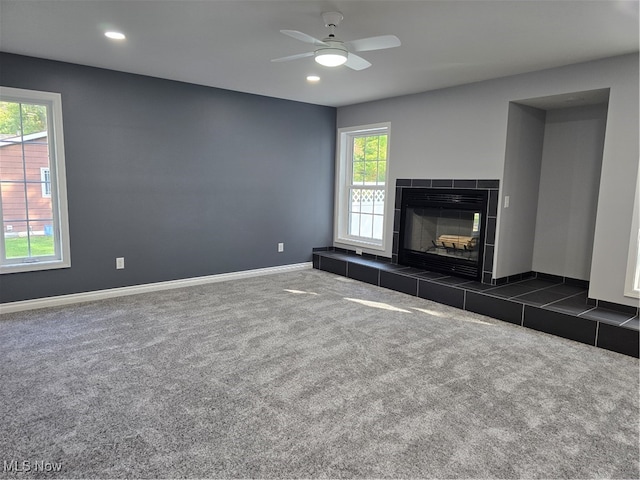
[(481, 198), (443, 230)]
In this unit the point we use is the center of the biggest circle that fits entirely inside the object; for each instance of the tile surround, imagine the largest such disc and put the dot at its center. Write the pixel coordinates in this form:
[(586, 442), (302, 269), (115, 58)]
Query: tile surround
[(490, 185)]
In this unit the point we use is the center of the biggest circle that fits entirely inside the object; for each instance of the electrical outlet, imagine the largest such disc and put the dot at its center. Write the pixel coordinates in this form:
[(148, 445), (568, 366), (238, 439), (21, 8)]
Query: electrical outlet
[(281, 247), (506, 201), (358, 251), (119, 263)]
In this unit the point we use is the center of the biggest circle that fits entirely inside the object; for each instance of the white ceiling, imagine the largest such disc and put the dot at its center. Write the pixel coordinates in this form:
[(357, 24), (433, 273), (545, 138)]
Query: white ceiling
[(229, 44)]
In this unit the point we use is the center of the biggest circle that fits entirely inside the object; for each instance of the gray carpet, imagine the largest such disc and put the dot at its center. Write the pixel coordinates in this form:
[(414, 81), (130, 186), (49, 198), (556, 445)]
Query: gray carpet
[(305, 375)]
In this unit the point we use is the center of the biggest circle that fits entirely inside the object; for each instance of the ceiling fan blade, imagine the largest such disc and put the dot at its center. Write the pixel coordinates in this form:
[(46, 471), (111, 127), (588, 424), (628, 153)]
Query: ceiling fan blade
[(293, 57), (355, 62), (303, 37), (373, 43)]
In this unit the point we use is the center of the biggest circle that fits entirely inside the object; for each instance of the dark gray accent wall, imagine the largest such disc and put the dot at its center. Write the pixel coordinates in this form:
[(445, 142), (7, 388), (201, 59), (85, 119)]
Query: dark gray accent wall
[(181, 180)]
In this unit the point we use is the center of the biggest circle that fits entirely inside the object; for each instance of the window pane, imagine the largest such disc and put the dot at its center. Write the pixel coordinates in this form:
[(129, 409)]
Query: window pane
[(366, 215), (28, 242), (34, 119), (9, 119), (16, 240), (367, 201), (36, 156), (378, 202), (41, 244), (377, 226), (383, 147), (366, 226), (39, 207), (20, 119), (382, 172), (358, 149), (354, 224), (356, 194), (13, 201), (11, 166), (358, 173), (367, 172), (371, 148)]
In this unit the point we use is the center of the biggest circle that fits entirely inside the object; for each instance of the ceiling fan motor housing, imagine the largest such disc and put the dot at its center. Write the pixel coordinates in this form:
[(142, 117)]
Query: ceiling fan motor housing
[(332, 44), (332, 19)]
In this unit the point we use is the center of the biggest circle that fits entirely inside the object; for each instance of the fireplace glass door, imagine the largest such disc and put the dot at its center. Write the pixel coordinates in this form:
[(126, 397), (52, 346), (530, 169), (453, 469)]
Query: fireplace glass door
[(443, 230)]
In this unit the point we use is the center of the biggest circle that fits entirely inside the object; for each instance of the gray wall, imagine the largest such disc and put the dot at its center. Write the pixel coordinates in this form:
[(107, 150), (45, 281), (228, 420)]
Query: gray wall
[(461, 132), (569, 183), (179, 179), (521, 183)]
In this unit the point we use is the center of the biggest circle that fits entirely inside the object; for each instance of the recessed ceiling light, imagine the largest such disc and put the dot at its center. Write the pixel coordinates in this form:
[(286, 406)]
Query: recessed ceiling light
[(113, 35), (313, 78)]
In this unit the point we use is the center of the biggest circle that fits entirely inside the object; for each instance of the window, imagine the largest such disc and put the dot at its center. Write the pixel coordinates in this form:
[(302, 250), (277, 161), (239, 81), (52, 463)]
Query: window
[(363, 158), (45, 178), (33, 200)]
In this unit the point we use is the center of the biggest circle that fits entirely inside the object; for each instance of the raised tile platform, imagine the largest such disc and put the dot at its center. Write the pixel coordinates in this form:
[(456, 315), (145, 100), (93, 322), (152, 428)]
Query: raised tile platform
[(545, 303)]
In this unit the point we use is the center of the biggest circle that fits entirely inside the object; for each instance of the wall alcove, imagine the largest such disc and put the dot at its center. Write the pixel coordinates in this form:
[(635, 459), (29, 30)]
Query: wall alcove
[(553, 161)]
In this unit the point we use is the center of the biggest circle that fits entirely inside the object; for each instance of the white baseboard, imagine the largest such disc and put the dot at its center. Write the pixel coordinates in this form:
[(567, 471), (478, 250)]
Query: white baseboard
[(23, 305)]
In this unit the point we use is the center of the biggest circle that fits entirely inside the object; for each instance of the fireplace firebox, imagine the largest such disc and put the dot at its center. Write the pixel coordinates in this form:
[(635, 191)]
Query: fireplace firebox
[(443, 230)]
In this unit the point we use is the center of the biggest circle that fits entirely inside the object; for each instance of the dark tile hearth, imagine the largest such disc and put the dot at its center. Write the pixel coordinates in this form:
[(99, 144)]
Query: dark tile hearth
[(546, 303)]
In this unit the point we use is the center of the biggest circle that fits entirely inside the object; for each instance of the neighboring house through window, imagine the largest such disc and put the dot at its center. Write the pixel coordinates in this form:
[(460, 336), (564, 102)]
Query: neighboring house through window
[(33, 200), (361, 185)]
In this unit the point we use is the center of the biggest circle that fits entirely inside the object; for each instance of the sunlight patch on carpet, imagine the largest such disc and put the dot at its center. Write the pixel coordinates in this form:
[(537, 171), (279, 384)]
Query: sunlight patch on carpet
[(383, 306), (441, 314)]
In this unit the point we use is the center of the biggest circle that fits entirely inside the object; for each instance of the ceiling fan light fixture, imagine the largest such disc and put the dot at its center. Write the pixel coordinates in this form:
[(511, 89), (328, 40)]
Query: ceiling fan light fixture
[(331, 57), (114, 35)]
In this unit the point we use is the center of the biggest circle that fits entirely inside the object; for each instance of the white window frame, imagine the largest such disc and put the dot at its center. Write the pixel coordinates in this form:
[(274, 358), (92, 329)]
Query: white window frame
[(632, 280), (343, 174), (45, 178), (58, 186)]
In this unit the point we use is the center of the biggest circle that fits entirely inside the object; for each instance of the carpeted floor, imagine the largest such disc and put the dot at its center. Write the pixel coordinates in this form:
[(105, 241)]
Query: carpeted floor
[(305, 375)]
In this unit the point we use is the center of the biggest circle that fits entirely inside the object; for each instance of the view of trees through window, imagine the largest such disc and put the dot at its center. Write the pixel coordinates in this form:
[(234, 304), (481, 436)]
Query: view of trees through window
[(22, 119), (369, 171), (369, 160)]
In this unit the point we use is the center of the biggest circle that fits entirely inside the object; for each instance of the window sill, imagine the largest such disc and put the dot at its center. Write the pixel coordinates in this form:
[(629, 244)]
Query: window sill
[(34, 267), (350, 242)]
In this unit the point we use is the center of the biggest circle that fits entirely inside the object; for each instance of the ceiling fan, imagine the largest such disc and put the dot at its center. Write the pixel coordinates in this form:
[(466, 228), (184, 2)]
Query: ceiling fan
[(333, 52)]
